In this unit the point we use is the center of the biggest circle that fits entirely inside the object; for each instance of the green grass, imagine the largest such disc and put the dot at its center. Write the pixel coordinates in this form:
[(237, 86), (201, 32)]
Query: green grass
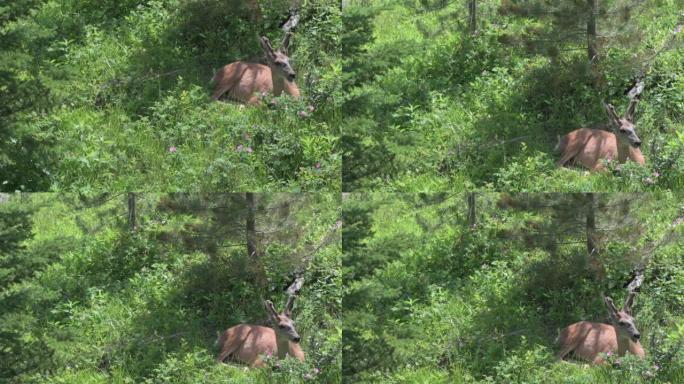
[(430, 299), (455, 112), (87, 300), (125, 82)]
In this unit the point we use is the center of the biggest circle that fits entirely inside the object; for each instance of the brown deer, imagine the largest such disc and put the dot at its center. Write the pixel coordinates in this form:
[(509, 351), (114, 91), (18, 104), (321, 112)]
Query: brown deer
[(249, 344), (243, 81), (587, 147), (587, 340)]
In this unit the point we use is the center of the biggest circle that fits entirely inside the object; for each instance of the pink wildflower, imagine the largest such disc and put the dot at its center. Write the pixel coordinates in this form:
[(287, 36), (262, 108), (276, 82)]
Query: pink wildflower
[(318, 165), (239, 148), (649, 181), (316, 371), (311, 108), (173, 149), (249, 150), (303, 114)]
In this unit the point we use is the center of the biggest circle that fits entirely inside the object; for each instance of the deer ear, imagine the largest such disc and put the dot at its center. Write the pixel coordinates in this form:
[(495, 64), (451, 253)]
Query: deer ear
[(627, 307), (267, 47), (629, 112), (612, 311), (286, 43), (612, 115), (270, 309)]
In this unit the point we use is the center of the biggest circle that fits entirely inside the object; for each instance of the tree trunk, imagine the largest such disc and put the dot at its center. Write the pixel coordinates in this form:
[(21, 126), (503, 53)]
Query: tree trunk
[(255, 9), (472, 218), (591, 31), (250, 225), (131, 211), (592, 241), (472, 16)]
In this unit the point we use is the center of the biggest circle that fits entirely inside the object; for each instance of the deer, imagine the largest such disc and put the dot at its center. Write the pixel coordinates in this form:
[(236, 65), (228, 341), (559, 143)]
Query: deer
[(589, 146), (244, 81), (249, 344), (587, 340)]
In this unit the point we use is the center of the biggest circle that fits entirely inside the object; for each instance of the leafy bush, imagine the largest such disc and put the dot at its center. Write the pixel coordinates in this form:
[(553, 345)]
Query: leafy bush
[(433, 295), (85, 299), (124, 88)]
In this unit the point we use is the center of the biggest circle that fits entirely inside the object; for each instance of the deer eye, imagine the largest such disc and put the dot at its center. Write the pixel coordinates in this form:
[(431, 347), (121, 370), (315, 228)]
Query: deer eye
[(282, 327), (622, 323), (623, 130)]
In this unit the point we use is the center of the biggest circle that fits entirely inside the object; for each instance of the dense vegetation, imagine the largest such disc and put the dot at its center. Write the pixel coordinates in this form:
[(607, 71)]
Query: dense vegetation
[(114, 95), (89, 296), (431, 105), (444, 289), (402, 100)]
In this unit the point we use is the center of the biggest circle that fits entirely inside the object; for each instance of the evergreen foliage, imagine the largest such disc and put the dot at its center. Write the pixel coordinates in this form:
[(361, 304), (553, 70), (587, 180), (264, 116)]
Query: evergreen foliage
[(432, 107), (432, 298), (86, 299), (113, 95)]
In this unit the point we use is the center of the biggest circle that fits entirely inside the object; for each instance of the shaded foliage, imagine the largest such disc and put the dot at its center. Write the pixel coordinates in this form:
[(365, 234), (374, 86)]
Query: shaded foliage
[(432, 298), (146, 305)]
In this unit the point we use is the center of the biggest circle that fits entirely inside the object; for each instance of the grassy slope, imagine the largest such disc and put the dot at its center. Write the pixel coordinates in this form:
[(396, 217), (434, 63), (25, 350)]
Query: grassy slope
[(114, 308), (457, 112), (129, 81), (454, 306)]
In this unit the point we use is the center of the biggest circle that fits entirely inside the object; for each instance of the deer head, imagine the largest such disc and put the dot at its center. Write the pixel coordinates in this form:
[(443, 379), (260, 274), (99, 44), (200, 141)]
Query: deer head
[(623, 127), (278, 60), (622, 320), (282, 322)]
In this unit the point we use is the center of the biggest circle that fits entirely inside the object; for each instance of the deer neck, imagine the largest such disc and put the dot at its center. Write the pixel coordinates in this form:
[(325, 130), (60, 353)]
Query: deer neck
[(283, 345), (625, 344), (623, 341), (280, 85), (624, 149), (296, 351), (636, 349), (636, 155)]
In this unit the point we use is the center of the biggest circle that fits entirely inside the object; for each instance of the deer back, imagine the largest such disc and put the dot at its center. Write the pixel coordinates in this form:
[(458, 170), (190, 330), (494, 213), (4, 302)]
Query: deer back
[(588, 147), (245, 343), (242, 82), (588, 339)]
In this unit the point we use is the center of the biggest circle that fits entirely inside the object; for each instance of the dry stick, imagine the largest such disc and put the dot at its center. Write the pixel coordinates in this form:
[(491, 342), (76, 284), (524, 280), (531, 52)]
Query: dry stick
[(292, 20), (647, 252), (297, 284)]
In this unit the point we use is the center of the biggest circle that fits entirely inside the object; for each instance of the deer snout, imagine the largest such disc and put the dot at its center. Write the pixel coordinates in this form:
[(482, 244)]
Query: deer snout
[(296, 339), (291, 76), (637, 336), (637, 143)]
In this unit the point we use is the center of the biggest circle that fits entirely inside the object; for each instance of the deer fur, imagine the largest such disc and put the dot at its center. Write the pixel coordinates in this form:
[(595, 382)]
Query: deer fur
[(251, 344), (246, 82), (588, 340), (588, 147)]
